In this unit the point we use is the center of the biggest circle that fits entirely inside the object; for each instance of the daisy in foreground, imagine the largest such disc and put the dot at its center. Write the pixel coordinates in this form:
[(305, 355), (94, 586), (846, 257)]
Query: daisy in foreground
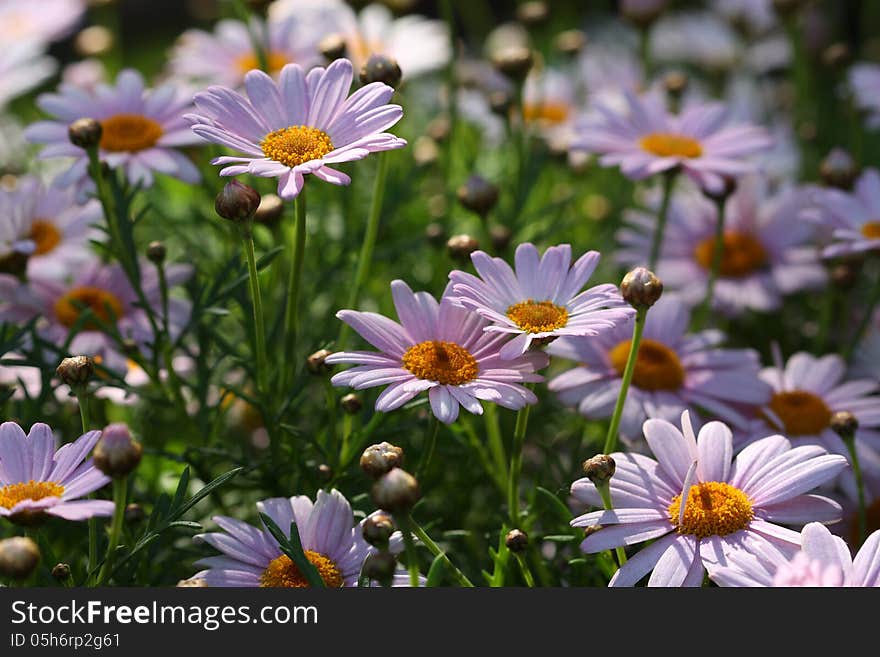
[(700, 504), (297, 126), (439, 347), (331, 540), (36, 480), (140, 129), (542, 299), (824, 560), (647, 140)]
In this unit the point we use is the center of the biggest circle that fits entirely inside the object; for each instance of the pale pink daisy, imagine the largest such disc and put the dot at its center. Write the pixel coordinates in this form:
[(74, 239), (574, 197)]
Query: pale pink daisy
[(854, 217), (23, 66), (824, 560), (438, 347), (37, 480), (864, 80), (701, 504), (299, 125), (647, 139), (540, 300), (38, 22)]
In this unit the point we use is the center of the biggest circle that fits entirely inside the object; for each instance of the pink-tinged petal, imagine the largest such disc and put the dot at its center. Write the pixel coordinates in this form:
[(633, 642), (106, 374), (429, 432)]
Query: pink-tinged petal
[(443, 404), (332, 176), (774, 533), (516, 347), (866, 565), (220, 577), (69, 456), (396, 395), (252, 537), (470, 403), (329, 525), (626, 534), (752, 458), (282, 513), (821, 545), (228, 563), (378, 330), (294, 94), (15, 463), (418, 312), (233, 547), (265, 99), (802, 509), (82, 509), (361, 358), (619, 516), (797, 479), (331, 90), (290, 184), (42, 444), (715, 446), (642, 563), (674, 452), (676, 563)]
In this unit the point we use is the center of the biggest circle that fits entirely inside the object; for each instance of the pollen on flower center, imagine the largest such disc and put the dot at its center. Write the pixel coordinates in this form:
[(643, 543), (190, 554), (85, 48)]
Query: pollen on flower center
[(296, 144), (282, 572), (802, 412), (538, 316), (554, 113), (444, 362), (275, 61), (129, 132), (713, 508), (657, 366), (742, 254), (45, 236), (871, 230), (104, 305), (667, 144), (12, 494)]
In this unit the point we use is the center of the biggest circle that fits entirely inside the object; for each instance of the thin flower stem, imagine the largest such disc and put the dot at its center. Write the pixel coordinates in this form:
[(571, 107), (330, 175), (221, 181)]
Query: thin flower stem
[(668, 183), (613, 428), (717, 257), (460, 577), (519, 435), (604, 489), (412, 561), (496, 443), (293, 284), (261, 364), (524, 568), (873, 300), (365, 258), (430, 445), (82, 397), (120, 493), (826, 317), (860, 486)]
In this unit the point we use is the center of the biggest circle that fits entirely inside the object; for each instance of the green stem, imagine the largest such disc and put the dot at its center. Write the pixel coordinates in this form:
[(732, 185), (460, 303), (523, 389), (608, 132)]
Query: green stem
[(873, 300), (293, 284), (611, 437), (826, 317), (496, 443), (717, 257), (261, 364), (860, 485), (668, 181), (412, 561), (82, 397), (524, 568), (120, 493), (430, 445), (519, 435), (436, 551), (365, 258), (604, 489)]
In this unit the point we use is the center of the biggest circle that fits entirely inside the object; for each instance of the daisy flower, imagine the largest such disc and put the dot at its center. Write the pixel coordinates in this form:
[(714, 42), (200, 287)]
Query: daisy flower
[(854, 217), (331, 541), (22, 67), (105, 291), (141, 129), (39, 22), (438, 347), (225, 55), (542, 299), (299, 125), (674, 371), (37, 480), (46, 226), (823, 560), (699, 38), (550, 105), (647, 139), (767, 247), (864, 80), (701, 504)]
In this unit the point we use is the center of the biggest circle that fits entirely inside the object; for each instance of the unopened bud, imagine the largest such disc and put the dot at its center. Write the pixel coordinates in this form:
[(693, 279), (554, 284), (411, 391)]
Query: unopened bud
[(676, 83), (570, 42), (237, 202), (381, 68), (460, 247), (316, 362), (156, 252), (514, 61), (85, 132), (845, 275), (837, 55), (332, 47), (270, 210), (15, 263), (117, 453), (435, 233), (377, 529), (728, 187), (439, 128), (351, 403), (380, 566), (134, 512), (844, 424), (641, 288), (642, 12), (76, 371), (325, 472), (500, 102), (599, 469), (19, 556), (589, 530), (500, 237), (379, 459), (396, 491), (839, 169), (61, 572), (478, 195), (516, 540), (532, 13)]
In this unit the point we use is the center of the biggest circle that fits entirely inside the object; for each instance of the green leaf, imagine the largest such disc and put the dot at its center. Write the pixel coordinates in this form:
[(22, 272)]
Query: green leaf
[(554, 503), (182, 486), (204, 492), (436, 571), (293, 548)]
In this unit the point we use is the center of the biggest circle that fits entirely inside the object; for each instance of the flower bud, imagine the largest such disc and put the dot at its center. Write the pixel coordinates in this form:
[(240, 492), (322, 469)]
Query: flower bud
[(641, 288), (270, 210), (516, 540), (500, 237), (193, 582), (642, 12), (380, 566), (381, 68), (439, 128), (85, 133), (237, 202), (514, 61), (599, 469), (460, 247), (134, 512), (728, 187), (19, 556), (351, 403), (76, 371), (325, 472), (156, 252), (570, 42), (845, 275), (844, 424), (839, 169), (381, 458), (315, 363), (15, 263), (377, 530), (93, 41), (435, 233), (61, 572), (532, 13), (478, 195), (500, 102), (837, 55), (332, 47), (396, 491), (676, 83), (117, 453)]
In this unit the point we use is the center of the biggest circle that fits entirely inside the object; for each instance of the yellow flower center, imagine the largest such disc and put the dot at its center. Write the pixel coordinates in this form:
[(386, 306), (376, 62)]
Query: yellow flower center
[(657, 366), (275, 61), (871, 230), (296, 144), (667, 144), (129, 132), (444, 362), (554, 113), (802, 413), (45, 236), (103, 304), (283, 573), (538, 316), (742, 254), (713, 508), (12, 494)]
